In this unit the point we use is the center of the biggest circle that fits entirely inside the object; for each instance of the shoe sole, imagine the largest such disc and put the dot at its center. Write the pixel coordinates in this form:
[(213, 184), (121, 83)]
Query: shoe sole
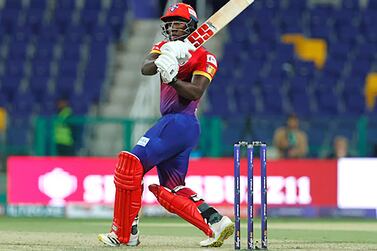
[(225, 234)]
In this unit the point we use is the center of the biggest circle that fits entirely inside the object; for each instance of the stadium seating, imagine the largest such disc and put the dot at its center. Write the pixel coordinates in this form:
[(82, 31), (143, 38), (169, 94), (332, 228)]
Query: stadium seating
[(51, 50), (280, 81)]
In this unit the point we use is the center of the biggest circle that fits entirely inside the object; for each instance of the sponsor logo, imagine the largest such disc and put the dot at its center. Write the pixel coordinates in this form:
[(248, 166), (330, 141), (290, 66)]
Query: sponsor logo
[(281, 190), (173, 7), (201, 35), (210, 69), (143, 141), (212, 26), (57, 184)]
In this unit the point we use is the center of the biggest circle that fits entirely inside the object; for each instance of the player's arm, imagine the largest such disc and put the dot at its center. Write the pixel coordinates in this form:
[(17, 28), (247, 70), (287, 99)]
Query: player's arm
[(191, 90), (149, 67)]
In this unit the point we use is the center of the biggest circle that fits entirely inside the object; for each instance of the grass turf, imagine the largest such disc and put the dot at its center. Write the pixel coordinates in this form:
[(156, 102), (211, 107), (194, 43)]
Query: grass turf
[(174, 234)]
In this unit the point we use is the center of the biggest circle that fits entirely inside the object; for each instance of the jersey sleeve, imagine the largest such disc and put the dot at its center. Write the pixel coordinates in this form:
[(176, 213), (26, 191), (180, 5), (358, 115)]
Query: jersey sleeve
[(207, 66), (157, 47)]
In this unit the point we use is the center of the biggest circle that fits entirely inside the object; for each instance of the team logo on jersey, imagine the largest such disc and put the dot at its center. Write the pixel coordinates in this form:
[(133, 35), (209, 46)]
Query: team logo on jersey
[(211, 59), (173, 7)]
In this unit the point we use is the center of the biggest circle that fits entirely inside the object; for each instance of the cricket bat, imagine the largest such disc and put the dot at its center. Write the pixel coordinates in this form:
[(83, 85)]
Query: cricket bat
[(217, 21)]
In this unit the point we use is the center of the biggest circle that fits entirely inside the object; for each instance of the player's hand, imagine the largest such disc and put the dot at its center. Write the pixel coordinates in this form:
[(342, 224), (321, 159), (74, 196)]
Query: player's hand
[(167, 66), (180, 49)]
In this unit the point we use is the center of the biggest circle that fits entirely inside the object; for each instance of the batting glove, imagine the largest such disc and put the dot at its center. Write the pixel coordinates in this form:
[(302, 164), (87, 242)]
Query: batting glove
[(167, 66), (179, 49)]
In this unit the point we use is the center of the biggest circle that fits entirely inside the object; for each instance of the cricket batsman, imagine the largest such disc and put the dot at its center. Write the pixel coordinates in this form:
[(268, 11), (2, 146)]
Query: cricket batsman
[(185, 74)]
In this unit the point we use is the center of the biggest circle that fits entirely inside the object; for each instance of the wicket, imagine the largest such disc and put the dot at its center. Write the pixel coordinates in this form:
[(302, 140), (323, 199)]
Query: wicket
[(250, 189)]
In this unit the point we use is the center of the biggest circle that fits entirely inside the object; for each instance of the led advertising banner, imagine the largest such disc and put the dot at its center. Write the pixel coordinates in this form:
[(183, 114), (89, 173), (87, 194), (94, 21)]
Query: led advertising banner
[(58, 180), (357, 184)]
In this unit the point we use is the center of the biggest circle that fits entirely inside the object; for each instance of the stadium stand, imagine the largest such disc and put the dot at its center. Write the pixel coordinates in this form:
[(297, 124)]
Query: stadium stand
[(281, 82), (51, 50)]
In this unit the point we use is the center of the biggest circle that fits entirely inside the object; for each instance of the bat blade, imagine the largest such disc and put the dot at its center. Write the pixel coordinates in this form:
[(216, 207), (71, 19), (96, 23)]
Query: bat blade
[(217, 21)]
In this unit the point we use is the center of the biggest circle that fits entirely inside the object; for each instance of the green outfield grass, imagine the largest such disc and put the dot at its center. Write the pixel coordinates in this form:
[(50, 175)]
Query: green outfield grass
[(174, 234)]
